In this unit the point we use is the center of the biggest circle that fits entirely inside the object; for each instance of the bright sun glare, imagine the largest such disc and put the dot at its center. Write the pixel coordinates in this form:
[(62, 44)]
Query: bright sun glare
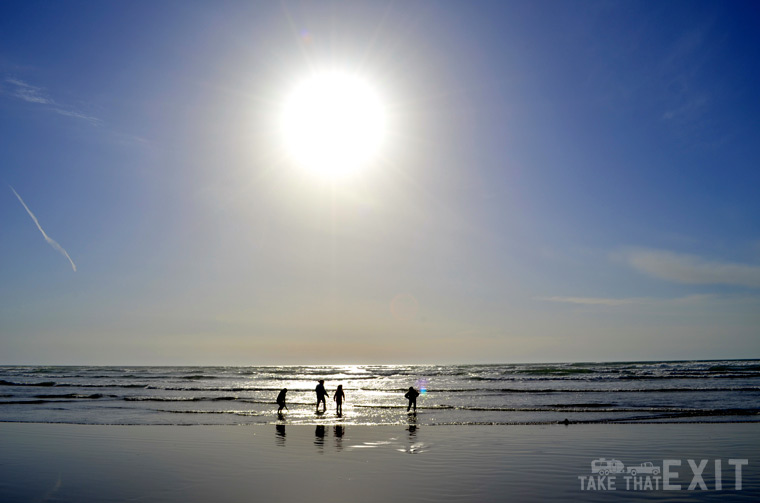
[(333, 124)]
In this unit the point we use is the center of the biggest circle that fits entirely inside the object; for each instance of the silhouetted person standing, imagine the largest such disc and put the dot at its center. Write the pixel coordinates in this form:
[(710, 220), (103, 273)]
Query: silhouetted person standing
[(339, 397), (412, 395), (321, 394), (281, 400)]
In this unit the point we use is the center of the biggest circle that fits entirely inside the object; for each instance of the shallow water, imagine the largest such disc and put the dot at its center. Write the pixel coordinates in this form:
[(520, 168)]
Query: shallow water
[(712, 391)]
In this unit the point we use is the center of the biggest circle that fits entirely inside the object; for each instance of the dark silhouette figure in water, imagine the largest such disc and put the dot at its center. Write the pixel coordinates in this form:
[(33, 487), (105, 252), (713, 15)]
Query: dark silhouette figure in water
[(280, 434), (339, 397), (412, 429), (338, 431), (412, 395), (321, 394), (319, 435), (281, 400), (338, 434)]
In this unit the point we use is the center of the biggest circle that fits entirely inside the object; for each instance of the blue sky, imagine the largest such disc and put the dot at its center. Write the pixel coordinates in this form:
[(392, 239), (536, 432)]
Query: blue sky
[(562, 181)]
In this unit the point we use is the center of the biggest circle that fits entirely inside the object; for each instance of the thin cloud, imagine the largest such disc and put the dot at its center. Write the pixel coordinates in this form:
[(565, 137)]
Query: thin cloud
[(36, 95), (691, 269), (77, 115), (688, 109), (591, 301), (629, 301), (49, 240), (28, 93)]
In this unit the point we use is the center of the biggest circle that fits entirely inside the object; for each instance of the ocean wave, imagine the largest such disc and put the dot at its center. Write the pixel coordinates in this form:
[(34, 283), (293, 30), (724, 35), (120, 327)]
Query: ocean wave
[(471, 394), (41, 384), (222, 412), (557, 371), (32, 402), (165, 399), (491, 391), (629, 390), (93, 396), (734, 368), (226, 389)]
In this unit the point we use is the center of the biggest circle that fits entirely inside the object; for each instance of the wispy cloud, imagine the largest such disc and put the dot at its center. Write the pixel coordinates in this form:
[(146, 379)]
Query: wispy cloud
[(77, 115), (49, 240), (629, 301), (27, 92), (37, 95), (691, 269), (590, 301), (687, 109)]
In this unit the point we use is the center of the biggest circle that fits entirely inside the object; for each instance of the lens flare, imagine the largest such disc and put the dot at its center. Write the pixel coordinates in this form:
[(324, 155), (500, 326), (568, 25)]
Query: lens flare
[(422, 386)]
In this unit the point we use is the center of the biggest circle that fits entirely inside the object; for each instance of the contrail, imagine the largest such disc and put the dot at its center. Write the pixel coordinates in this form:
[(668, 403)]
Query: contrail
[(50, 240)]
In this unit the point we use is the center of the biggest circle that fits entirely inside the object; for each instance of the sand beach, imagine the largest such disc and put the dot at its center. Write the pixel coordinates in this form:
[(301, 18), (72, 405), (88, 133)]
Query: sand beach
[(335, 462)]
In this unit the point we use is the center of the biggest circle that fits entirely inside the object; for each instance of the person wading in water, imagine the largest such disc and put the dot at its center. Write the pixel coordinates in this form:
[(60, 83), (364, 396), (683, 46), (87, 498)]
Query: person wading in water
[(339, 397), (412, 395), (321, 394)]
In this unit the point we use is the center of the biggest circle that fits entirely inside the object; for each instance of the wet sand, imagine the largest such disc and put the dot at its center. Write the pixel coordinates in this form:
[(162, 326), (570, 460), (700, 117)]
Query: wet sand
[(89, 463)]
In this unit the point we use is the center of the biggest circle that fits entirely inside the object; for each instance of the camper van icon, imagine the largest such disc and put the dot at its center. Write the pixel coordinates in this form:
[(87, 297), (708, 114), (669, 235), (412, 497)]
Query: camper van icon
[(604, 466)]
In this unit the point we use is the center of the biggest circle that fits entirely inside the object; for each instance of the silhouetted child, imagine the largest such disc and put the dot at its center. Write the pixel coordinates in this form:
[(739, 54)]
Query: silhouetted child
[(339, 397), (412, 395), (321, 394), (281, 400)]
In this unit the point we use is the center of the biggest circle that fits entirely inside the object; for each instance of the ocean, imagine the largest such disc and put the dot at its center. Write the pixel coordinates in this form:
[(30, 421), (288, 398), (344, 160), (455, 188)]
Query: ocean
[(618, 392)]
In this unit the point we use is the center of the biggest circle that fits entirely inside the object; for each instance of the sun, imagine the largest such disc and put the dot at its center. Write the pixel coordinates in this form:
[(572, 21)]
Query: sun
[(333, 124)]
